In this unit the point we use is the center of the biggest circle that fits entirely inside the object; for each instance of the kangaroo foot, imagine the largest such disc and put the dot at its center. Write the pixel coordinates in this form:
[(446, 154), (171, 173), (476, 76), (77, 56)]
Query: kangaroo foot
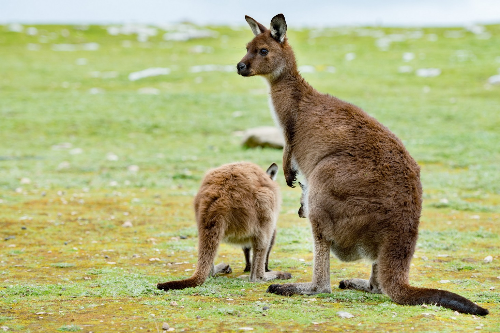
[(359, 284)]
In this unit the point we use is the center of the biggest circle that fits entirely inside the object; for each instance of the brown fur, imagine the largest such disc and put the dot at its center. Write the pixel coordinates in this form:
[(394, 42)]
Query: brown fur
[(237, 203), (364, 194)]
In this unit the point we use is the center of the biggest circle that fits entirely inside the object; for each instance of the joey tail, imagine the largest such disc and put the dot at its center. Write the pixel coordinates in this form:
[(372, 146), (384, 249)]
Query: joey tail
[(208, 244)]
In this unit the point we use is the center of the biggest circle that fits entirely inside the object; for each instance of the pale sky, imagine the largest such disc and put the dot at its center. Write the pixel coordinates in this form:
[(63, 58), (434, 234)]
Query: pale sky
[(230, 12)]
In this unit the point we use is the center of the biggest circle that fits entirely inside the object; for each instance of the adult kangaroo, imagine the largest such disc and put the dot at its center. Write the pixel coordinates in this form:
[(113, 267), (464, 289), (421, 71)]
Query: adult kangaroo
[(237, 203), (363, 191)]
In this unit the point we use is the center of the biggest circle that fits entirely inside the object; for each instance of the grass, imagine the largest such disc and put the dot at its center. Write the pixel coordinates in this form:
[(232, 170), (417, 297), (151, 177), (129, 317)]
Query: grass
[(72, 125)]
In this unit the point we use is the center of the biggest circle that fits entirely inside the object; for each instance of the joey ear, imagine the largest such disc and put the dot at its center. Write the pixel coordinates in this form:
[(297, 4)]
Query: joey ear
[(256, 27), (272, 171), (278, 28)]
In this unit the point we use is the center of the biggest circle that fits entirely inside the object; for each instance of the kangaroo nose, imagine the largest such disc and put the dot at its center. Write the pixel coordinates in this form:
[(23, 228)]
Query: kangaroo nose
[(241, 66)]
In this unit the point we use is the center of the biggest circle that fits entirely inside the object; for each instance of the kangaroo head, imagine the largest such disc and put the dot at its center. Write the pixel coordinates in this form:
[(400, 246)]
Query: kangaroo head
[(268, 54)]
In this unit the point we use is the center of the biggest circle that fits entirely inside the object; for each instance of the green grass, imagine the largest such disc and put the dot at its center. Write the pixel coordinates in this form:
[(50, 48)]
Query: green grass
[(64, 196)]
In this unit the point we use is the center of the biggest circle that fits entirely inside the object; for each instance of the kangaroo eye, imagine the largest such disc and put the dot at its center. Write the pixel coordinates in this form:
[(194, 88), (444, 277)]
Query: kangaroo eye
[(263, 52)]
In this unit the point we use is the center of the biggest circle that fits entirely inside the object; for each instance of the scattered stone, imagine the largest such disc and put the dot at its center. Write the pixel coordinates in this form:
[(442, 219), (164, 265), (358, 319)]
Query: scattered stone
[(212, 68), (24, 228), (405, 69), (154, 71), (492, 288), (307, 69), (428, 315), (4, 328), (495, 79), (246, 328), (127, 224), (165, 326), (154, 259), (112, 157), (25, 181), (111, 263), (475, 217), (344, 314), (428, 72), (182, 237), (173, 303), (488, 259), (9, 237), (95, 91), (444, 281), (76, 151), (265, 308), (265, 136)]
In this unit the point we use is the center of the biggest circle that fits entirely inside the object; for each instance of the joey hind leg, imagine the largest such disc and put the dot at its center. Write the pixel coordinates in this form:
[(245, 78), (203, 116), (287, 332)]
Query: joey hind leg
[(371, 286), (261, 248), (271, 244), (248, 265), (321, 271), (246, 252)]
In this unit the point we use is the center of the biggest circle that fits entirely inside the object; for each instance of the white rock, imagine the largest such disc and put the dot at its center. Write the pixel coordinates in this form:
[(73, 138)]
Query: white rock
[(344, 314), (81, 61), (246, 328), (149, 91), (165, 326), (408, 56), (212, 68), (405, 69), (25, 180), (495, 79), (112, 157), (133, 168), (331, 69), (15, 27), (488, 259), (113, 183), (127, 224), (76, 151), (444, 281), (33, 47), (32, 31), (307, 69), (95, 91), (153, 71), (428, 72), (265, 136), (350, 56)]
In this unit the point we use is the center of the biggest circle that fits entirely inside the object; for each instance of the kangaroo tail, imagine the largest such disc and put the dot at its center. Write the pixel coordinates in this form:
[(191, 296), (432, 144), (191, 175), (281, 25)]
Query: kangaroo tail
[(408, 295), (209, 237), (393, 273)]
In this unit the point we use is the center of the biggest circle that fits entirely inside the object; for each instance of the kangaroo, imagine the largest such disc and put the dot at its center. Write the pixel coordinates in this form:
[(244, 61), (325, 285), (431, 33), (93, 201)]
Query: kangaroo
[(237, 203), (363, 190)]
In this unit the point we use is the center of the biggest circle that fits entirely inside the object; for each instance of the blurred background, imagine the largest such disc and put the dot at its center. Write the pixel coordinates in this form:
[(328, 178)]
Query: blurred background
[(305, 13)]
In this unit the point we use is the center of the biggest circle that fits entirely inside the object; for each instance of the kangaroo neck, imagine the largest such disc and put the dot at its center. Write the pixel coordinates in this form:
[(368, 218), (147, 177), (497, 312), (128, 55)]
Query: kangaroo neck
[(286, 92)]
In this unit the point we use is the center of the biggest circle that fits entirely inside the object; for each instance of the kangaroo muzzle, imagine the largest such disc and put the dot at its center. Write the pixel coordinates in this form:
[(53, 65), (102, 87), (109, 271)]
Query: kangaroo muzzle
[(243, 69)]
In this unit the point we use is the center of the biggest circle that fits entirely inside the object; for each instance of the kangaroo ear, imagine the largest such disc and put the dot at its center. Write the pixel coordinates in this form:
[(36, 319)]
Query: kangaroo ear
[(272, 171), (256, 27), (278, 28)]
